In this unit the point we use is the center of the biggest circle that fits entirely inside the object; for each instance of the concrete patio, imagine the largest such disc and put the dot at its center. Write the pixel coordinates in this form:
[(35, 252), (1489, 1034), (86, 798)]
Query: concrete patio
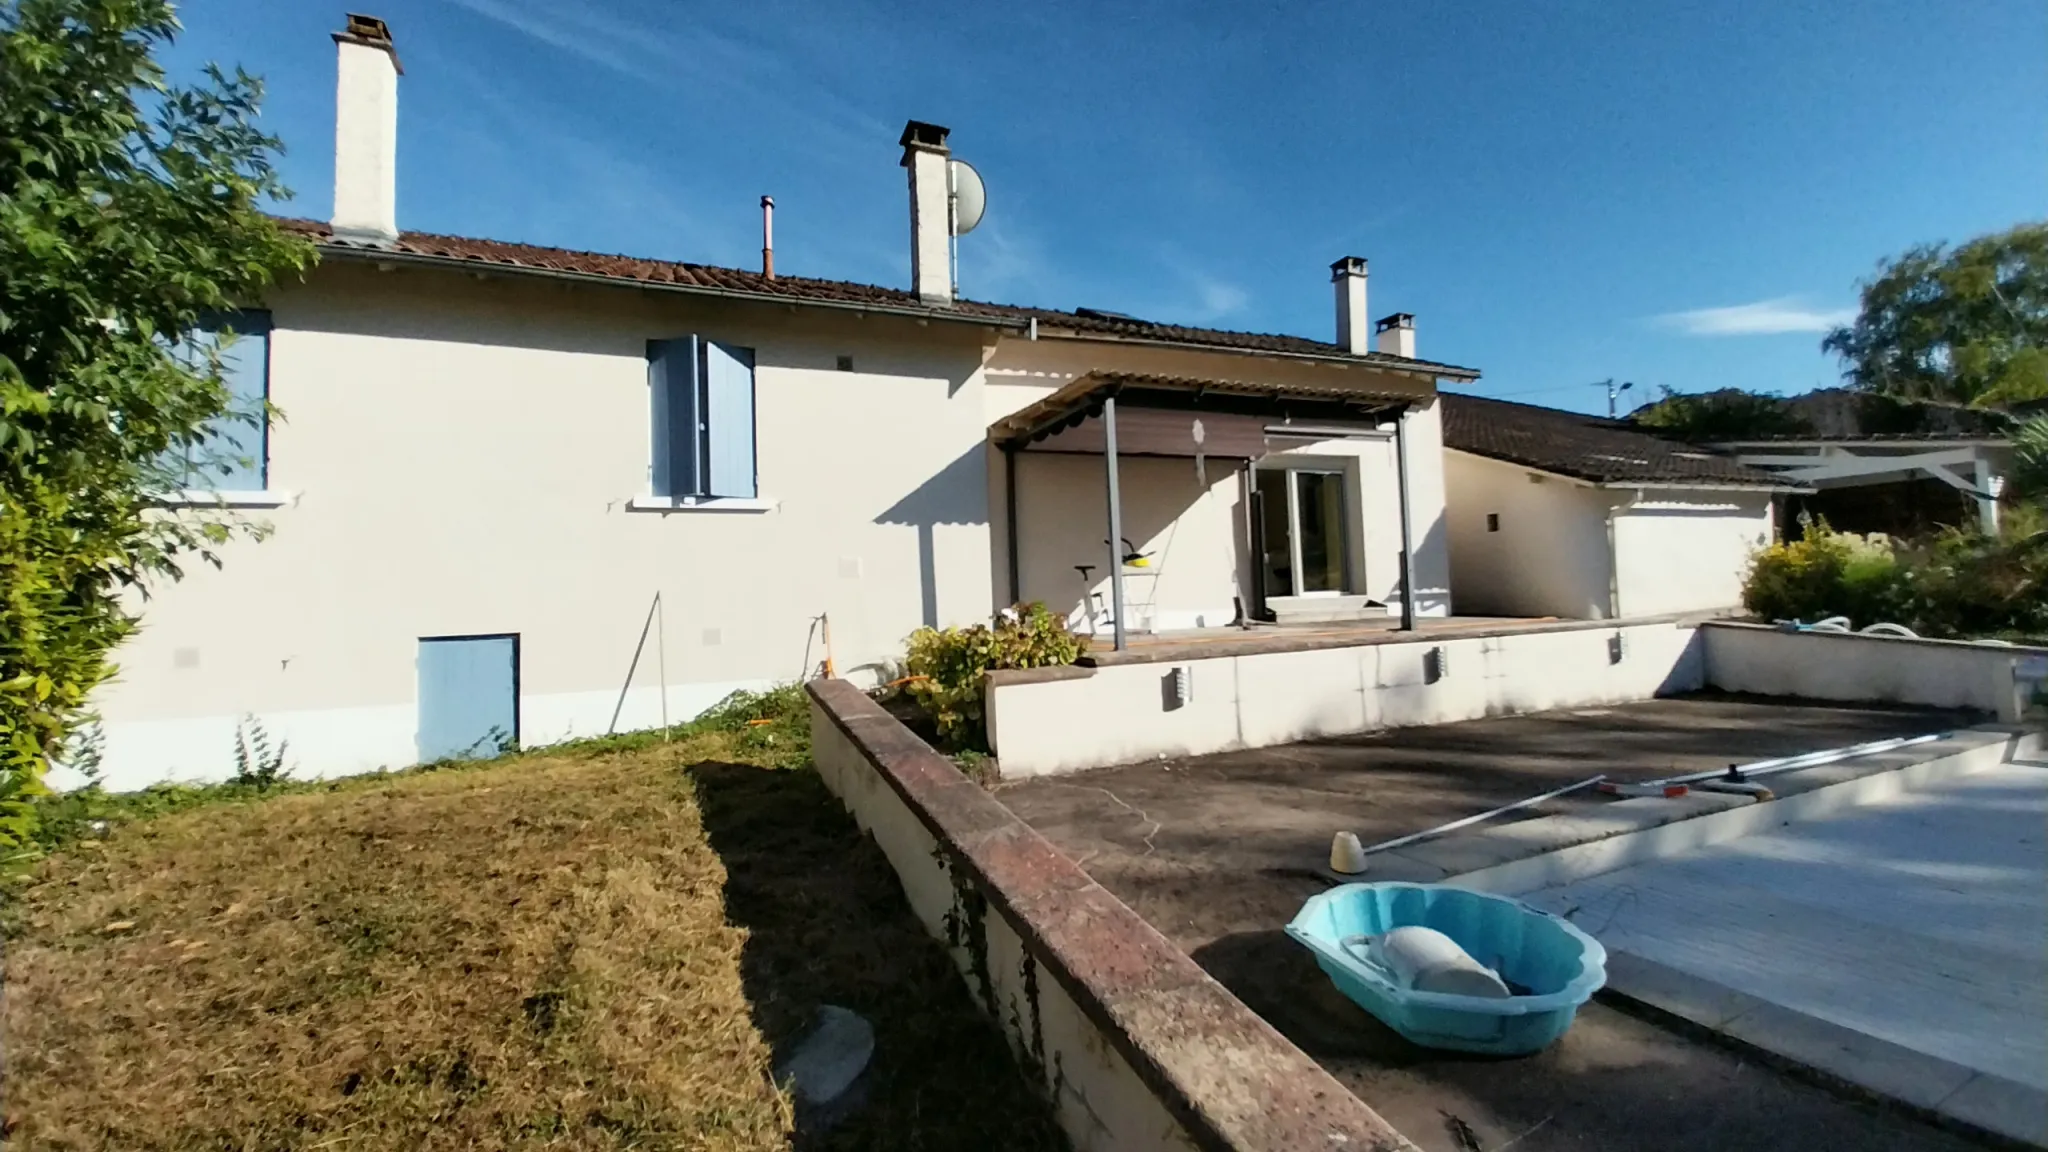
[(1231, 842)]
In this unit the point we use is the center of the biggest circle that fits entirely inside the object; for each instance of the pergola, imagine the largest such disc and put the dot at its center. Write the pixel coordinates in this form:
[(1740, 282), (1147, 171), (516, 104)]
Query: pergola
[(1844, 463), (1142, 415)]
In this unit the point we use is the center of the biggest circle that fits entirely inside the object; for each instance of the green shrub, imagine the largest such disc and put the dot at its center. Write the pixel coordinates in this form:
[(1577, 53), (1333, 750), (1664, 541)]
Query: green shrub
[(945, 667), (258, 764), (774, 723), (1828, 573), (1956, 584), (1963, 583)]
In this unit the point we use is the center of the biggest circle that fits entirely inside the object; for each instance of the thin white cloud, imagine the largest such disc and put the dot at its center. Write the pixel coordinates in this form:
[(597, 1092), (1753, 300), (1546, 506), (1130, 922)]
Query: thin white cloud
[(1219, 298), (1776, 316), (1201, 296), (585, 177), (579, 32), (1004, 260), (663, 54)]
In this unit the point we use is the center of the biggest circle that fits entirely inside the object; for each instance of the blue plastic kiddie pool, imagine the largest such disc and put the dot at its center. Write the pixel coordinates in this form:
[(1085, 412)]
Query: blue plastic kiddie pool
[(1550, 966)]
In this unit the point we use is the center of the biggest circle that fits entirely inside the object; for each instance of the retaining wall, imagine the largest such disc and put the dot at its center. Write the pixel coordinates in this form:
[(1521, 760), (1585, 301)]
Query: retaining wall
[(1137, 1047), (1056, 720), (1871, 669)]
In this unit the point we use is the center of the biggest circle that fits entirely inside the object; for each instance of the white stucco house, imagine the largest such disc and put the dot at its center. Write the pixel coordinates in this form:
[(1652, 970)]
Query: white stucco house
[(521, 494), (1555, 513)]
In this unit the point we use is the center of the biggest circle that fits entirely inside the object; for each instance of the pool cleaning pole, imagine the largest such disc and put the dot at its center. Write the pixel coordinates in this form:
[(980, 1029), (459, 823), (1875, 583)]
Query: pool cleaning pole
[(1468, 821), (1804, 760), (1116, 522)]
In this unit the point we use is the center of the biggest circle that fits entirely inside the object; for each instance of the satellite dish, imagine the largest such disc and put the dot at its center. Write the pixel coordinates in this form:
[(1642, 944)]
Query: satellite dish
[(970, 198)]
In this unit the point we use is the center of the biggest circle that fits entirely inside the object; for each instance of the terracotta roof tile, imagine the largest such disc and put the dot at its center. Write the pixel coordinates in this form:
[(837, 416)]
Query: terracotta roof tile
[(713, 278), (1586, 447)]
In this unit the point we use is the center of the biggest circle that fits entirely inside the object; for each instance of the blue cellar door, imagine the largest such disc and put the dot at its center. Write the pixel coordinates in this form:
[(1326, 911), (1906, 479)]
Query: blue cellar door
[(469, 696)]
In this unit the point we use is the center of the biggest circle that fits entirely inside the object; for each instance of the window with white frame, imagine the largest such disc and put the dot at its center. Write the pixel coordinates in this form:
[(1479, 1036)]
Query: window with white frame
[(1304, 540), (702, 395), (233, 455)]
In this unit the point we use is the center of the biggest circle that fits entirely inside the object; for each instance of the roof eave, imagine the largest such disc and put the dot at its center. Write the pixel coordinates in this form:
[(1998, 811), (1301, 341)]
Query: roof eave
[(473, 266), (1588, 481), (1869, 442), (1709, 485), (1419, 369)]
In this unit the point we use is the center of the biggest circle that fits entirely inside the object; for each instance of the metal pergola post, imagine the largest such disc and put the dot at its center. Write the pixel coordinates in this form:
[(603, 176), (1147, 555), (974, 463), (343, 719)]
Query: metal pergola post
[(1407, 524), (1116, 522), (1988, 487), (1010, 521)]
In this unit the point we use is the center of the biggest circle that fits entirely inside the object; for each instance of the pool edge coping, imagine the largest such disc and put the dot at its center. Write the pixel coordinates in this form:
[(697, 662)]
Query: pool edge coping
[(1980, 1104)]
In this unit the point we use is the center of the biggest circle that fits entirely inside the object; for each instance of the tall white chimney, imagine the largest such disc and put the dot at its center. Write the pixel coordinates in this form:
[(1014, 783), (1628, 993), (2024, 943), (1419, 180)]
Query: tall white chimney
[(925, 155), (1348, 275), (1397, 335), (366, 133)]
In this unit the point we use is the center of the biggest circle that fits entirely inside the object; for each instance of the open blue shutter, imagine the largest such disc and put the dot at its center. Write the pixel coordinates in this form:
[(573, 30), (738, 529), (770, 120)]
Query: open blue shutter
[(242, 437), (729, 400), (672, 384)]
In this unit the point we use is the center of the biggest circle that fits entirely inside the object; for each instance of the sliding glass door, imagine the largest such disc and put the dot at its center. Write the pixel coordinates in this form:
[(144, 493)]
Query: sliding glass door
[(1302, 535)]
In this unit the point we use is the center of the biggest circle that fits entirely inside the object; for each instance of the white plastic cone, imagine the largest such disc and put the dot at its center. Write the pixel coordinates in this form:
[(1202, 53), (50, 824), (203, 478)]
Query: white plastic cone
[(1347, 855)]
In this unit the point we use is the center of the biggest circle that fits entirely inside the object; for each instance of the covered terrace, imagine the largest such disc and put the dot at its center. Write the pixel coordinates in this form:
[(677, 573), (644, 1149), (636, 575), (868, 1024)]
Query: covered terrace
[(1219, 503)]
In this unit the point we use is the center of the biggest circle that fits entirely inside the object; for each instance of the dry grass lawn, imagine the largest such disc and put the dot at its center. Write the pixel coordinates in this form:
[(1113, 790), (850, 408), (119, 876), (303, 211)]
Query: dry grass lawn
[(575, 951)]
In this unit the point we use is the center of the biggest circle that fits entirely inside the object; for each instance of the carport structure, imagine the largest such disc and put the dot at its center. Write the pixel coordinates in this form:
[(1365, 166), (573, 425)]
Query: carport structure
[(1242, 426)]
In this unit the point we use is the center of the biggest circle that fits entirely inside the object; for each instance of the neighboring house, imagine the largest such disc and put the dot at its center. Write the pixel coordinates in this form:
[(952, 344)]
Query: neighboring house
[(1555, 513), (521, 494)]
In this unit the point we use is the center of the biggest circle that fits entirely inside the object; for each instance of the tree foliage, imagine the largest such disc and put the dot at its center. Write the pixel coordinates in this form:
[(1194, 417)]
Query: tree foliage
[(1726, 414), (1966, 326), (2030, 460), (128, 211)]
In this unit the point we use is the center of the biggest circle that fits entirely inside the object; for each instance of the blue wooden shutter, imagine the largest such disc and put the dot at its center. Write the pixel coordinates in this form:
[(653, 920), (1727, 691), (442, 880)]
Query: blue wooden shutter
[(469, 696), (729, 403), (672, 383), (242, 438)]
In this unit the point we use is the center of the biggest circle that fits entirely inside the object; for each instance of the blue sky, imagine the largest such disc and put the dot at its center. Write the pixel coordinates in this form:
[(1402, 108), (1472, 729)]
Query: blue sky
[(1673, 193)]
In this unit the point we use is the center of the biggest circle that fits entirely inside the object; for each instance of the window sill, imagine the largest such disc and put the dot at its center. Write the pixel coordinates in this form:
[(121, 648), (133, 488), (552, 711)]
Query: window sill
[(202, 498), (702, 504)]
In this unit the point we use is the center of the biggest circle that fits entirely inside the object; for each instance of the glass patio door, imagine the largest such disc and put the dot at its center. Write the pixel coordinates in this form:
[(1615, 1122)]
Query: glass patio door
[(1302, 534)]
